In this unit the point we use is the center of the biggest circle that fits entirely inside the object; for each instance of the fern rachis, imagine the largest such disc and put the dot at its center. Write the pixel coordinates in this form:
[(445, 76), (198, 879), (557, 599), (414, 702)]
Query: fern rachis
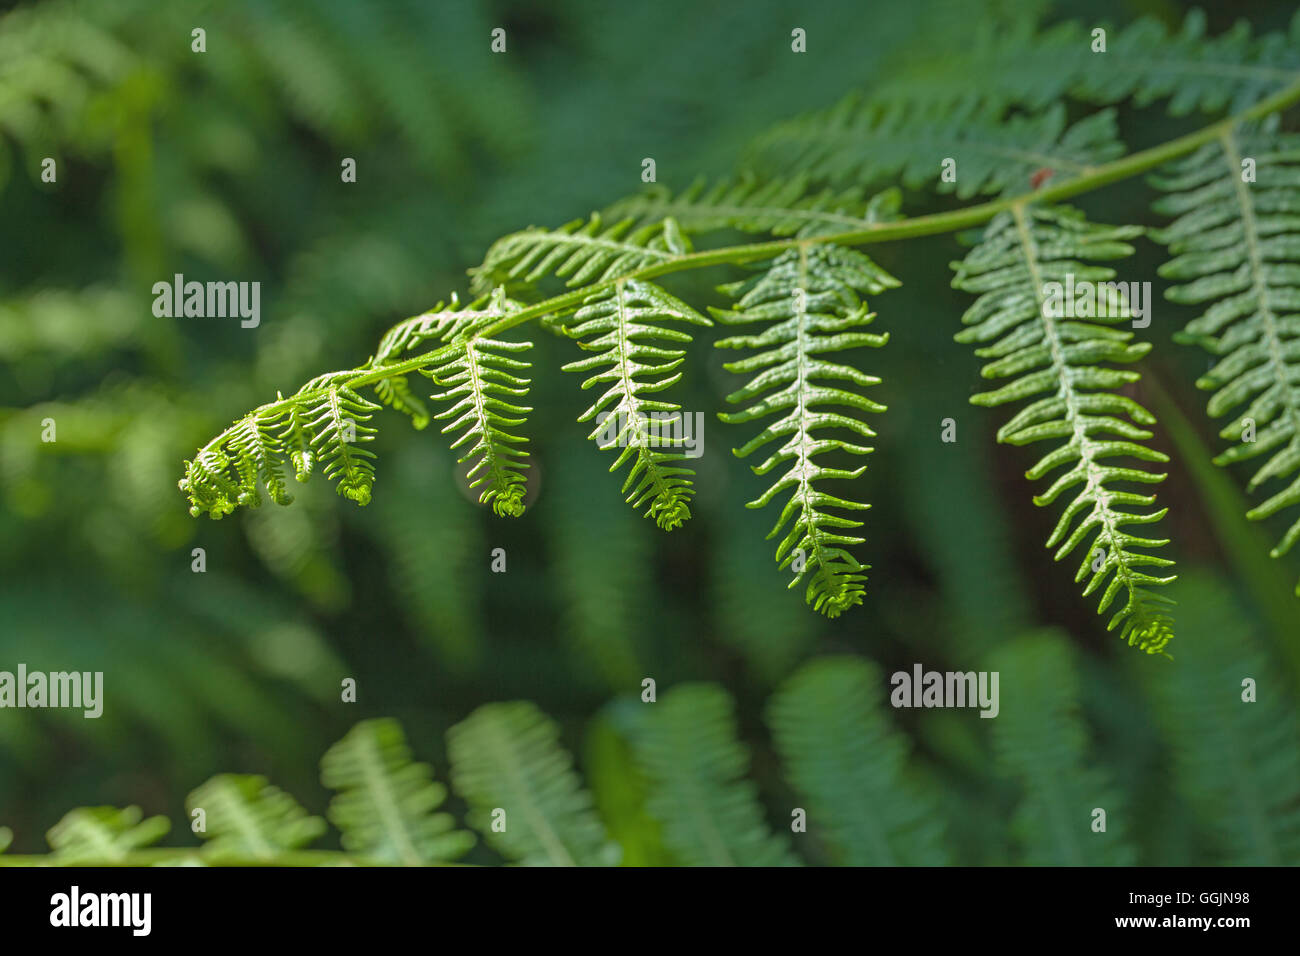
[(607, 268)]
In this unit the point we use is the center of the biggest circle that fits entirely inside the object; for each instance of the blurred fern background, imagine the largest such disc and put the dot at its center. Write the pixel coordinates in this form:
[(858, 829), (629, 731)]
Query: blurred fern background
[(226, 165)]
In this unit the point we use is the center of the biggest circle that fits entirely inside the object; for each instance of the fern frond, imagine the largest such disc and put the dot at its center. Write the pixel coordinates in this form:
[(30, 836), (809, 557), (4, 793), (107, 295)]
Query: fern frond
[(103, 834), (481, 383), (1022, 250), (1236, 250), (385, 803), (864, 141), (686, 744), (810, 297), (843, 757), (247, 819), (779, 207), (620, 324), (1235, 761), (581, 251), (524, 795), (1017, 64), (1042, 743)]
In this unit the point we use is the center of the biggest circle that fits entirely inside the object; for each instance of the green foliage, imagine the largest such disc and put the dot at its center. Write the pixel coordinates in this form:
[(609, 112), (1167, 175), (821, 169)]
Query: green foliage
[(248, 819), (810, 297), (1041, 742), (1236, 251), (622, 325), (524, 796), (696, 770), (843, 757), (583, 252), (384, 805), (1232, 758), (863, 141), (1022, 250), (103, 834)]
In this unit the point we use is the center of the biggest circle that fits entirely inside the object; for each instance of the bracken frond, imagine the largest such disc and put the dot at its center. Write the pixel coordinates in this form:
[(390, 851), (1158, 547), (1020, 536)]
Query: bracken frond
[(863, 141), (779, 207), (583, 252), (620, 324), (1235, 241), (1022, 251), (810, 298)]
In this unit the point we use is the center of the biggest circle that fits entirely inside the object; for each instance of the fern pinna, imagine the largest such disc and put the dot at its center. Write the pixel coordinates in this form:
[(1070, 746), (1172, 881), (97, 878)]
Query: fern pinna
[(997, 127), (1022, 252), (1236, 244)]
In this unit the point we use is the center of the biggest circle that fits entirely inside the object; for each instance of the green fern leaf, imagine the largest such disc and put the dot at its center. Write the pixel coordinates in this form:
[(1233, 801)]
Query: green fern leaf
[(480, 382), (384, 807), (620, 324), (863, 141), (686, 744), (810, 297), (582, 251), (852, 768), (1041, 742), (1236, 248), (1015, 63), (781, 207), (1234, 761), (247, 819), (103, 834), (508, 765), (6, 838), (1023, 250)]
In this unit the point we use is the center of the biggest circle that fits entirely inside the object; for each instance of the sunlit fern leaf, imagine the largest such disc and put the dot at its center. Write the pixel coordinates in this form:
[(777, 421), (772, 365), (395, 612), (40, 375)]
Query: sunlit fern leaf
[(864, 141), (337, 426), (1022, 251), (6, 838), (1234, 762), (780, 207), (480, 383), (525, 797), (443, 323), (103, 834), (620, 324), (582, 251), (1016, 63), (1041, 742), (1236, 248), (384, 805), (245, 818), (810, 298), (851, 766), (698, 789)]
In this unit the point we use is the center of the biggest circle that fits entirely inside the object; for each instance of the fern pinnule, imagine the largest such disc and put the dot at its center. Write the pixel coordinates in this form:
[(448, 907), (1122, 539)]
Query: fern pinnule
[(810, 297), (1021, 251), (1235, 241)]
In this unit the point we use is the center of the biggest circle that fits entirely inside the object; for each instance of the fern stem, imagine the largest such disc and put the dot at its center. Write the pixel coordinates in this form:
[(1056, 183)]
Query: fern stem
[(929, 225)]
